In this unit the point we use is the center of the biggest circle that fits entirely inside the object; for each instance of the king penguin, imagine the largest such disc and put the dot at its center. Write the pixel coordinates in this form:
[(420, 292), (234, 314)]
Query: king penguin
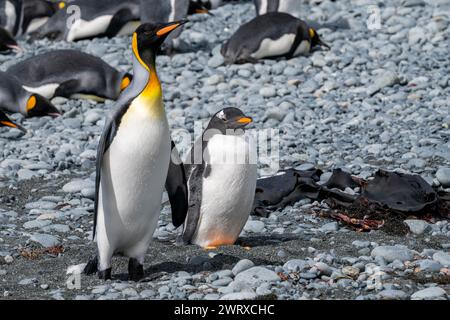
[(134, 163), (70, 74), (165, 11), (6, 122), (271, 35), (221, 176), (36, 13), (14, 98)]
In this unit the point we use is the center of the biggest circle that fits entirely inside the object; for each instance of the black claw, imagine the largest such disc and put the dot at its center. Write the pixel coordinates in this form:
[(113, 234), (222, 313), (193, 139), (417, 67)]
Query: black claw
[(104, 274), (91, 266), (135, 270)]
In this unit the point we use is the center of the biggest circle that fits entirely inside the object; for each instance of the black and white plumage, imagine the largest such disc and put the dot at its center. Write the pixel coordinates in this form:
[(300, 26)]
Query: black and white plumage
[(134, 164), (15, 99), (37, 12), (70, 74), (221, 183), (85, 19), (11, 16), (271, 35)]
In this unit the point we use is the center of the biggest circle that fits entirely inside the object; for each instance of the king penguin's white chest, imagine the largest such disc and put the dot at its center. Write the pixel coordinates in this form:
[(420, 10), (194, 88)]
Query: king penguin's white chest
[(135, 169), (228, 190)]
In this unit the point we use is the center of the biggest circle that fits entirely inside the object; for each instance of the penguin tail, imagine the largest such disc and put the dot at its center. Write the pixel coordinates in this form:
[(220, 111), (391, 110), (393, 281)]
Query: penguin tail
[(92, 266)]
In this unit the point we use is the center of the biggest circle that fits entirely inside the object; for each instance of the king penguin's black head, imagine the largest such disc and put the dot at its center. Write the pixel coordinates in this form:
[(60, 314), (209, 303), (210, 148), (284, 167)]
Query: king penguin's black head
[(7, 42), (229, 119), (6, 122), (315, 39), (150, 36), (38, 106)]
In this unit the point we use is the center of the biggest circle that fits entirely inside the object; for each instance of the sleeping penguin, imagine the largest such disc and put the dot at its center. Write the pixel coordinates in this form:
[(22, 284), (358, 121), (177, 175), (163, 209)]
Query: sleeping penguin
[(221, 175), (271, 35), (86, 19), (70, 74), (14, 98), (36, 13), (134, 164)]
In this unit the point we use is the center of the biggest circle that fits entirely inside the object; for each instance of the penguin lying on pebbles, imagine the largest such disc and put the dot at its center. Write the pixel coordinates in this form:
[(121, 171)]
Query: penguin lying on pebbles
[(7, 42), (6, 122), (221, 187), (197, 7), (70, 74), (274, 34), (14, 98), (134, 162), (86, 19), (36, 13)]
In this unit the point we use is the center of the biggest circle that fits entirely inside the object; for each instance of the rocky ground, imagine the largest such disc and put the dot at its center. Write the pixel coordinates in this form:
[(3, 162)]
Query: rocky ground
[(378, 99)]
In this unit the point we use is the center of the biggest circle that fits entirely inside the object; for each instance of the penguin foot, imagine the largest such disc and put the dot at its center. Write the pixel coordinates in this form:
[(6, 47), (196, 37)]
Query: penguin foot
[(104, 274), (135, 270), (92, 266)]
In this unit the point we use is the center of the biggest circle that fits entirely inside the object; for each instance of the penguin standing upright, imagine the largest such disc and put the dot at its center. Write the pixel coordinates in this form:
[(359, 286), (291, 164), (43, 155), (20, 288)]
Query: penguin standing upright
[(70, 74), (6, 122), (221, 175), (289, 6), (271, 35), (14, 98), (165, 11), (134, 162)]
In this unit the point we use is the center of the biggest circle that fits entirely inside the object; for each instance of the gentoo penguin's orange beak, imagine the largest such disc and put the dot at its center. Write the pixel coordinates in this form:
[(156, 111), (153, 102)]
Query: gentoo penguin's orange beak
[(245, 120), (170, 27)]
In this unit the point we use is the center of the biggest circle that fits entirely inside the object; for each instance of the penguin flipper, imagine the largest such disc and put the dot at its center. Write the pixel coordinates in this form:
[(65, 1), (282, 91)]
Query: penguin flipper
[(195, 194), (109, 132), (177, 188)]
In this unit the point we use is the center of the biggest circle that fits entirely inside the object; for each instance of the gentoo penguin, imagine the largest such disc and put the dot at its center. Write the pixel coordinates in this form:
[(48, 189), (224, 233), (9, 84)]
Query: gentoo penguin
[(271, 35), (7, 42), (70, 74), (6, 122), (14, 98), (86, 19), (221, 186), (165, 11), (11, 16), (36, 13), (133, 164)]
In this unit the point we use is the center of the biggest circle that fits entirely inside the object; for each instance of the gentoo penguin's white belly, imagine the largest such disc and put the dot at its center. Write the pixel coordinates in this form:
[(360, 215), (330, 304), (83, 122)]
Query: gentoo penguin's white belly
[(83, 29), (46, 90), (132, 182), (228, 192), (277, 47), (36, 24)]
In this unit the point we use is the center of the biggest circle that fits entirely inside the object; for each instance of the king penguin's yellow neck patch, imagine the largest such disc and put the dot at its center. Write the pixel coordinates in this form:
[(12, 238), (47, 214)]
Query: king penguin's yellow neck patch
[(312, 33)]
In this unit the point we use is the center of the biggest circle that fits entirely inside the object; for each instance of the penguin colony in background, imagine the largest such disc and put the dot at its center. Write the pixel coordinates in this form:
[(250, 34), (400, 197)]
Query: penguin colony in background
[(136, 157)]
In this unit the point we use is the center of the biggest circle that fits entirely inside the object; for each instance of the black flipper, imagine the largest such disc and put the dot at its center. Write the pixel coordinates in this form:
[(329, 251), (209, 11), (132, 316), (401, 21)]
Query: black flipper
[(68, 88), (195, 196), (135, 270), (109, 132), (177, 188)]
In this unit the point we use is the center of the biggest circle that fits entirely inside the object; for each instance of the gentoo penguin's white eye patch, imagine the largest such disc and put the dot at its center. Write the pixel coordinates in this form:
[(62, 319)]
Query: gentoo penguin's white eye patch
[(221, 115)]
